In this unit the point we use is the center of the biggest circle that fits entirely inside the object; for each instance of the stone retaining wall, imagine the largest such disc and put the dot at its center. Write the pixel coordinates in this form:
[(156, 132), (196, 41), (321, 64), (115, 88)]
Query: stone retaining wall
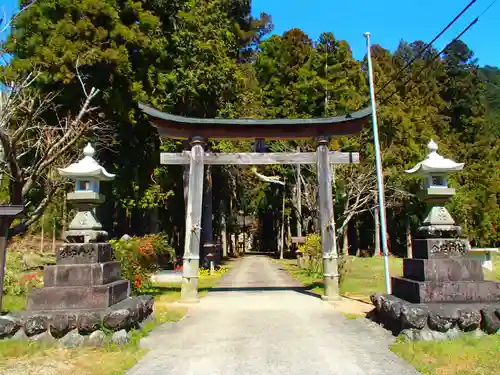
[(73, 329), (435, 321)]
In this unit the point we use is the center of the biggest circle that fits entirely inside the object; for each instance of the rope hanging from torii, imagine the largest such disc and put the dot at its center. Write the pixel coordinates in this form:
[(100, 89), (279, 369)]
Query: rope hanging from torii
[(260, 147)]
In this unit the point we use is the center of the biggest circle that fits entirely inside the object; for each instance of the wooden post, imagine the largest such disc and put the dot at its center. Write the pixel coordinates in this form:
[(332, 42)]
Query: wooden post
[(207, 235), (244, 247), (288, 232), (334, 225), (299, 199), (43, 234), (282, 231), (223, 224), (376, 217), (330, 255), (207, 232), (231, 237), (4, 227), (7, 215), (54, 235), (185, 175), (191, 260), (409, 248), (64, 214)]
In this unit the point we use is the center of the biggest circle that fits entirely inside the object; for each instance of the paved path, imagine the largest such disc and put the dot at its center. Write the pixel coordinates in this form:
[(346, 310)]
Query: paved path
[(254, 322)]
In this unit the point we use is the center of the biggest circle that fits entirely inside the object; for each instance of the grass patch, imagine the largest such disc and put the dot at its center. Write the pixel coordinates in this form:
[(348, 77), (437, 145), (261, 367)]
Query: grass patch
[(13, 303), (312, 283), (351, 316), (365, 276), (466, 355), (30, 358), (495, 274), (171, 292)]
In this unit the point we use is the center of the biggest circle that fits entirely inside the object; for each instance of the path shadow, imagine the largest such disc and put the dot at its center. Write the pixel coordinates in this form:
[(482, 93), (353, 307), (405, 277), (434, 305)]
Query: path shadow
[(298, 289), (158, 290), (356, 299)]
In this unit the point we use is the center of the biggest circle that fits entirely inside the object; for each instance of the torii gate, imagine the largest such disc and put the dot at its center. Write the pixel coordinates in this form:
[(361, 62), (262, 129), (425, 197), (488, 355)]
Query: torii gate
[(198, 131)]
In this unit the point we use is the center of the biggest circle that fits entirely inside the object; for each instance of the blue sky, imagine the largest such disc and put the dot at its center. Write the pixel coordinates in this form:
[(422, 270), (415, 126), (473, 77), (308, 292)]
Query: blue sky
[(389, 21)]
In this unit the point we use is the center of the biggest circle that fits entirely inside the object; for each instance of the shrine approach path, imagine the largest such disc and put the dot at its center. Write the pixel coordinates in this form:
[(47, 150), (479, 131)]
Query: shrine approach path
[(258, 321)]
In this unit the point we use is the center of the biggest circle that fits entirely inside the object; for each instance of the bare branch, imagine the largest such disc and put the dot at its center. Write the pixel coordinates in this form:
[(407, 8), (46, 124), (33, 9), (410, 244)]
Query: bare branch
[(76, 128), (8, 22), (34, 149), (361, 193), (80, 77)]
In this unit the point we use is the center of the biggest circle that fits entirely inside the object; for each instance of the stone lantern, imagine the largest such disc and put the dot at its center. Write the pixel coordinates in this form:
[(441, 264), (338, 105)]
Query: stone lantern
[(435, 169), (84, 292), (87, 175), (443, 292)]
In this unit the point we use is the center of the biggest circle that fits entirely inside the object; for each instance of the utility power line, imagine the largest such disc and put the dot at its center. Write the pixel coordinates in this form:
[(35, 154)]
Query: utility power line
[(426, 47), (476, 20), (488, 7), (432, 60)]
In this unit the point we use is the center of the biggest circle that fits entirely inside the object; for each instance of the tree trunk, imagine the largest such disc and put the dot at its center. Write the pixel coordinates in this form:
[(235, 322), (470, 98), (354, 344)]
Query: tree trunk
[(345, 242), (409, 248)]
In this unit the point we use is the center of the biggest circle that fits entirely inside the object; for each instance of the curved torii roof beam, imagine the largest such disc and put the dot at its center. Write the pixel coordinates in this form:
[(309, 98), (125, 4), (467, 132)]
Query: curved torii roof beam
[(180, 127)]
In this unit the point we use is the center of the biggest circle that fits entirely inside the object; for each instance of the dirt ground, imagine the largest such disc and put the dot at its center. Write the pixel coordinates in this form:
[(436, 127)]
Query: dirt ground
[(352, 306)]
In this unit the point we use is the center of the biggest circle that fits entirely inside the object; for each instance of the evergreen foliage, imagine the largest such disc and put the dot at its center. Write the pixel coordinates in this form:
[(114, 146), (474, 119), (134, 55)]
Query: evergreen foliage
[(207, 58)]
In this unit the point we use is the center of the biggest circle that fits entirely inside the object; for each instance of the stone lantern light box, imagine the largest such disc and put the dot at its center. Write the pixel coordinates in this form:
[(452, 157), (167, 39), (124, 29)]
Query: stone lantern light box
[(435, 167), (87, 175), (87, 172)]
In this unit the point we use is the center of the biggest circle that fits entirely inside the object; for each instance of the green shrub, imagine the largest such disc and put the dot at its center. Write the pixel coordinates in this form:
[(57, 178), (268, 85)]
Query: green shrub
[(16, 281), (313, 254), (202, 272), (139, 256), (11, 284), (312, 251)]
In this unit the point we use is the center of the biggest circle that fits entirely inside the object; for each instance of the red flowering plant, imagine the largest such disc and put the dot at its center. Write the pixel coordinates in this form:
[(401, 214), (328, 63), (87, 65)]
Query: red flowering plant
[(17, 281), (31, 280), (139, 256)]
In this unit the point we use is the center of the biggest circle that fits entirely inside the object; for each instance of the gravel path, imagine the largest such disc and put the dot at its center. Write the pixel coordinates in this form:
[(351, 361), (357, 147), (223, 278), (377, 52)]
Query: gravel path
[(257, 321)]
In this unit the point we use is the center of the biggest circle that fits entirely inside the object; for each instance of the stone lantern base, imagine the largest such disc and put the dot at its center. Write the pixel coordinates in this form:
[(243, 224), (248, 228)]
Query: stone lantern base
[(82, 294), (84, 277), (442, 293)]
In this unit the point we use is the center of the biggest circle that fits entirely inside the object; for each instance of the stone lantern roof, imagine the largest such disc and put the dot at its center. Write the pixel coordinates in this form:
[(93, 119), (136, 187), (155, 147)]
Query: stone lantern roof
[(87, 167), (435, 163)]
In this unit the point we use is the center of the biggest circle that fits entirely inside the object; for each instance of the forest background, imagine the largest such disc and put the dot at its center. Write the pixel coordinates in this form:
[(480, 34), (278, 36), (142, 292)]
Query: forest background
[(205, 58)]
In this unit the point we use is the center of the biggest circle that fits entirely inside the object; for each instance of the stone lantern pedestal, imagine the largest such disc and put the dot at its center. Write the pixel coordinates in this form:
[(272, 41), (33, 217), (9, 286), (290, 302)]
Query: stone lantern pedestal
[(443, 291), (84, 292)]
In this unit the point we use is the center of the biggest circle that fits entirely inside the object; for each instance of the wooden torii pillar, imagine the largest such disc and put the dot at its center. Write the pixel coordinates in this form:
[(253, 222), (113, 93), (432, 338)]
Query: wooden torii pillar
[(191, 258), (198, 130)]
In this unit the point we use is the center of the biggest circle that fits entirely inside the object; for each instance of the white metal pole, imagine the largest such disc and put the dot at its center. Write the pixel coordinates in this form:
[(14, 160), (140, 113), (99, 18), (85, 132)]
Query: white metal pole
[(378, 167)]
